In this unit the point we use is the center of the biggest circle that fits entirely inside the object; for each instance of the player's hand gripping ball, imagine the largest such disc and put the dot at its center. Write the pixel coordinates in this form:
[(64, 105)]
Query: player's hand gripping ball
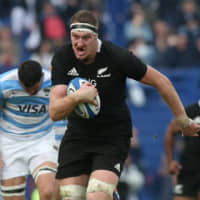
[(84, 110)]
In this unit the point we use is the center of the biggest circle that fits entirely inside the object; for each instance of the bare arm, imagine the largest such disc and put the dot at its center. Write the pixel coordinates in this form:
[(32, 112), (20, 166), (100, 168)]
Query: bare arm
[(169, 94), (165, 88), (61, 104), (172, 130)]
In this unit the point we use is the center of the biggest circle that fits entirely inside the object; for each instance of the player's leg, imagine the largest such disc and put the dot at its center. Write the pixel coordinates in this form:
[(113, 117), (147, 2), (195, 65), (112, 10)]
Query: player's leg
[(101, 185), (44, 177), (73, 188), (13, 188), (13, 174), (186, 187), (107, 166)]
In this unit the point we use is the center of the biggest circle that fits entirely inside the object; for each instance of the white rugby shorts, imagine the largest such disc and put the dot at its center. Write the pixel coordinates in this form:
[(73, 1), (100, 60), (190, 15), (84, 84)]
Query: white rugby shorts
[(22, 157)]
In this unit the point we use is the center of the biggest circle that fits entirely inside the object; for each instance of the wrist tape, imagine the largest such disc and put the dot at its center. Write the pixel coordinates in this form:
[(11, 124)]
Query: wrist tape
[(183, 121)]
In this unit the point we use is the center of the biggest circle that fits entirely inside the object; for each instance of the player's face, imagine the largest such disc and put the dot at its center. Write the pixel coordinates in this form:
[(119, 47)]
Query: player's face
[(84, 45)]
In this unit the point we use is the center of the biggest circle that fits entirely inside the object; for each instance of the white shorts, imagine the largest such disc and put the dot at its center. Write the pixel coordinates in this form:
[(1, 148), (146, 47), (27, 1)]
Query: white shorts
[(59, 133), (22, 157)]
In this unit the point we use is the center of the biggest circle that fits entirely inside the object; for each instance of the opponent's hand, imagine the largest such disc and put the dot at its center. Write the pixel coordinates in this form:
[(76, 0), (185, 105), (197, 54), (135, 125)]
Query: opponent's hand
[(174, 167), (1, 163), (191, 130)]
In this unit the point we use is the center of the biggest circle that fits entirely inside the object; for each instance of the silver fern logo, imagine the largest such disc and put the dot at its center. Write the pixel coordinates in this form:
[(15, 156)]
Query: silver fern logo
[(101, 73)]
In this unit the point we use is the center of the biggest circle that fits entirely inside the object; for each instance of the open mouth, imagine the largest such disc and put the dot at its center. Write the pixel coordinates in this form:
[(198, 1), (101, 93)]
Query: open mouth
[(80, 51)]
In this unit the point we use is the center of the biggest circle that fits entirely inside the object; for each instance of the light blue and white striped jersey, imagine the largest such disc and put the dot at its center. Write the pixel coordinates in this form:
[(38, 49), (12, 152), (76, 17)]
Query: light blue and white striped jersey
[(24, 116), (59, 128)]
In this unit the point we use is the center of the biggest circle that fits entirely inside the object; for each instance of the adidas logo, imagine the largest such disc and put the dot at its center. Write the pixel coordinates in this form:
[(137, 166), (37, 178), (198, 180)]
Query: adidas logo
[(117, 167), (73, 72)]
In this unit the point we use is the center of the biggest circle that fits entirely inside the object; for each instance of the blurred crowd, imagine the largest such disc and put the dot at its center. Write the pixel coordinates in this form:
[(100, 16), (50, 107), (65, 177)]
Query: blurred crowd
[(166, 34), (162, 33)]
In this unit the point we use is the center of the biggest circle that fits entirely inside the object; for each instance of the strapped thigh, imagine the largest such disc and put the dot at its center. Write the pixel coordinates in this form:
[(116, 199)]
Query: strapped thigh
[(96, 185), (43, 170), (16, 190), (72, 192)]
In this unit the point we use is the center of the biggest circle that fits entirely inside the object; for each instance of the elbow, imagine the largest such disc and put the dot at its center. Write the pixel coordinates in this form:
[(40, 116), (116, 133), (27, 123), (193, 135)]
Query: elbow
[(163, 82), (53, 115)]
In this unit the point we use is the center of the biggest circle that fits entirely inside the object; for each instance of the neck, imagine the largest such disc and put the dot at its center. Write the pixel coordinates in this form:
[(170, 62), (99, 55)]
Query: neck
[(90, 59)]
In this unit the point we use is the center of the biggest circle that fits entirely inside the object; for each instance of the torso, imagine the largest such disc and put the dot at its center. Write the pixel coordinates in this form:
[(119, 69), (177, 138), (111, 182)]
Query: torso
[(108, 73), (24, 116)]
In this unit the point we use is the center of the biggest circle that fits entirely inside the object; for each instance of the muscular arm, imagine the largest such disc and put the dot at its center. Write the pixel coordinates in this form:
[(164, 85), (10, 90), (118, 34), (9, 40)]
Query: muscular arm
[(61, 104), (169, 94), (165, 88)]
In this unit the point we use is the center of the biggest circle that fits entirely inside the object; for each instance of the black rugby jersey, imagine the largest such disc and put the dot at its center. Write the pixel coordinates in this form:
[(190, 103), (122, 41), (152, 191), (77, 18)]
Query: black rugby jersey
[(108, 73), (190, 157)]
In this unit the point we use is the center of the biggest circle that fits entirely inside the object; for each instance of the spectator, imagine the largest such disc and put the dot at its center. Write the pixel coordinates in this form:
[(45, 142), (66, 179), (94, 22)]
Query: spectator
[(197, 46), (181, 54), (162, 32), (186, 9), (138, 27), (44, 54), (24, 25), (66, 12), (143, 50), (191, 28), (9, 49), (52, 25)]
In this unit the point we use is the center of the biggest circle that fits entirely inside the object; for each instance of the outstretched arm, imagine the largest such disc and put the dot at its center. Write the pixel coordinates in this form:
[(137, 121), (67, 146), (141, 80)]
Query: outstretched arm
[(169, 94)]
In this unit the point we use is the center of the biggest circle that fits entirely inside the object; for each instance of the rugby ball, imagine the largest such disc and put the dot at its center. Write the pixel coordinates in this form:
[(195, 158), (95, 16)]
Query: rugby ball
[(84, 110)]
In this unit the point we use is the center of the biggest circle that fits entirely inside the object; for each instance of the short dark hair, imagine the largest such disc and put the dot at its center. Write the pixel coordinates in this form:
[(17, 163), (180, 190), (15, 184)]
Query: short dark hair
[(30, 73), (85, 16)]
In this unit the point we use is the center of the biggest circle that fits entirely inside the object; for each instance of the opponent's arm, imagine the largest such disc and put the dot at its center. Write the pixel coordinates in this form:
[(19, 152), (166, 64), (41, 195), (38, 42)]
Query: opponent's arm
[(169, 141), (167, 91)]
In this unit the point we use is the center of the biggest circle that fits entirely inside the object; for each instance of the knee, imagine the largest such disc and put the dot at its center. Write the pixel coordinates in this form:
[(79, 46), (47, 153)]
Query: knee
[(47, 192), (99, 190)]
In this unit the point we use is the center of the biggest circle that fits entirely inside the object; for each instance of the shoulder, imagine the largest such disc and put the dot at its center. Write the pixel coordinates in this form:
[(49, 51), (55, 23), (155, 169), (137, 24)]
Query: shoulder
[(112, 48), (9, 75), (118, 53)]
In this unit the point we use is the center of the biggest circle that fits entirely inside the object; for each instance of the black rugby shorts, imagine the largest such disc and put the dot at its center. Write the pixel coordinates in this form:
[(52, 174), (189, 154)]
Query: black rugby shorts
[(188, 184), (83, 156)]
